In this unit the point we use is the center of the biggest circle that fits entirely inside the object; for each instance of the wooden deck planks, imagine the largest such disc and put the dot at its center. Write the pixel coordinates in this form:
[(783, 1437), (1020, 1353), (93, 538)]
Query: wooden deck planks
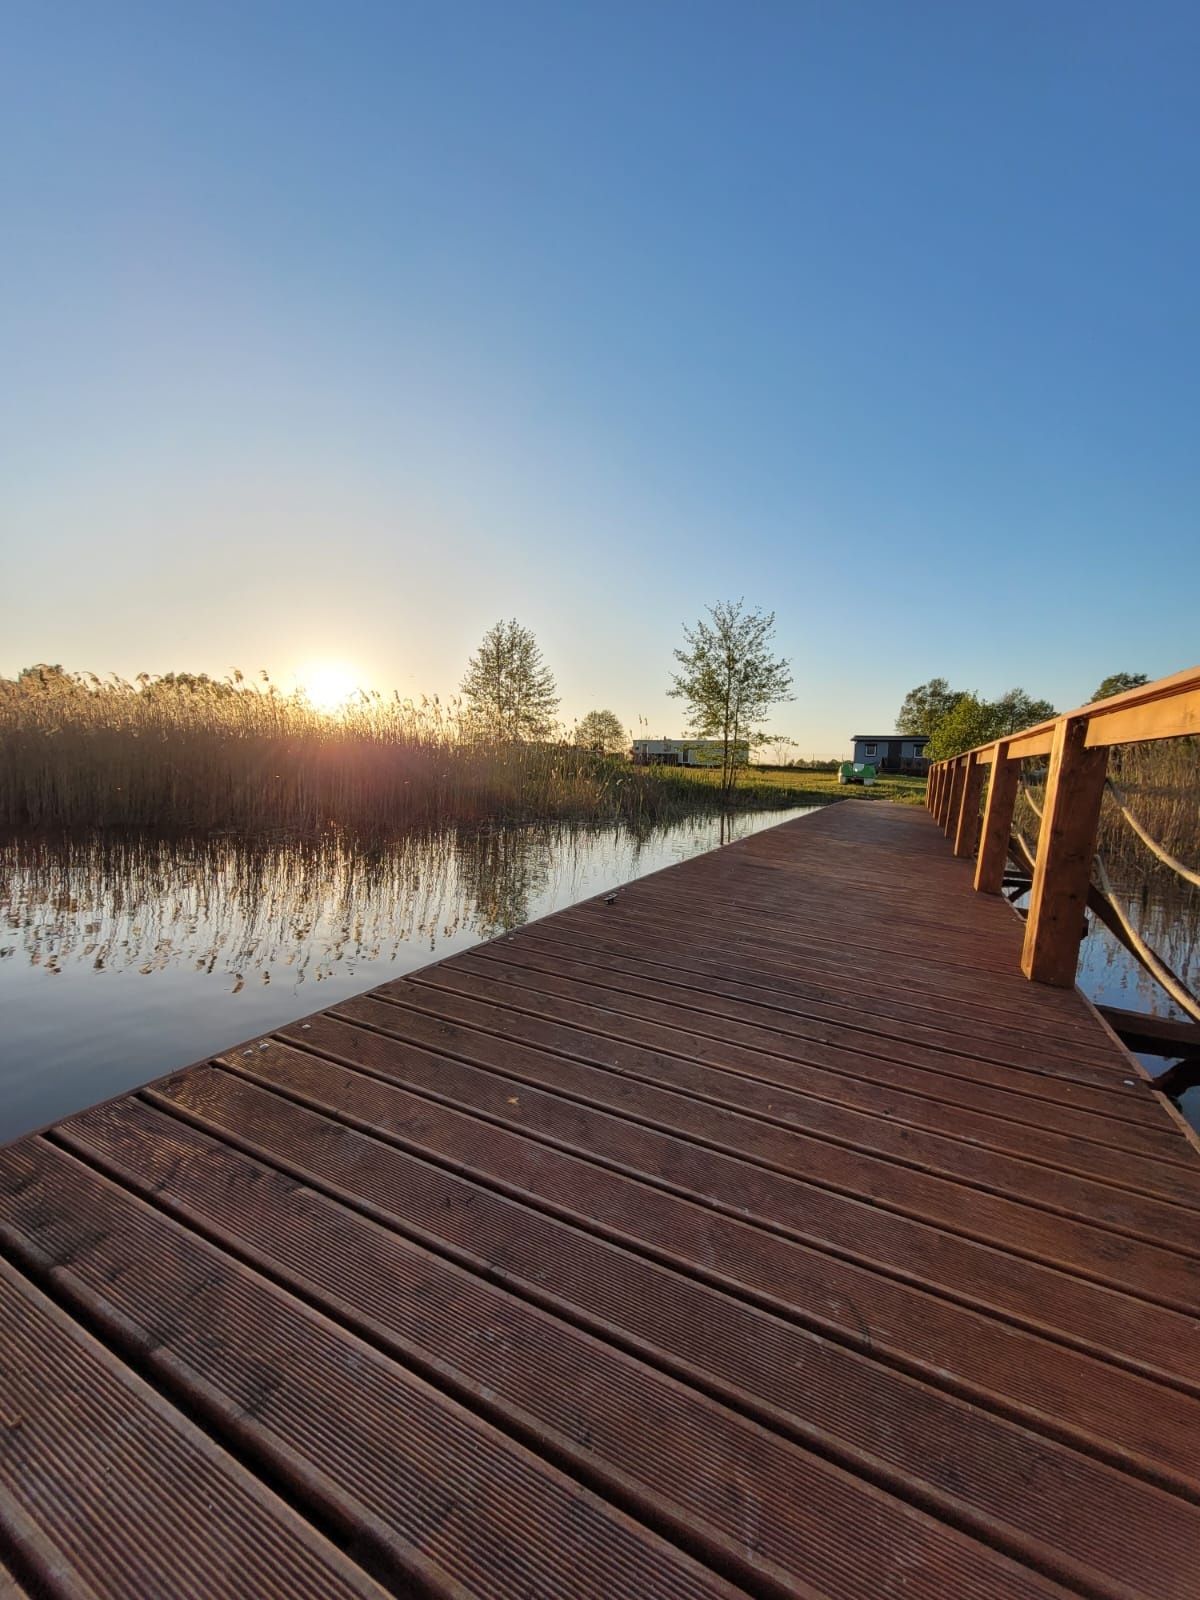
[(872, 1419), (693, 1034), (824, 1097), (105, 1489), (667, 1247), (859, 1206), (352, 1413), (896, 1185), (755, 1024)]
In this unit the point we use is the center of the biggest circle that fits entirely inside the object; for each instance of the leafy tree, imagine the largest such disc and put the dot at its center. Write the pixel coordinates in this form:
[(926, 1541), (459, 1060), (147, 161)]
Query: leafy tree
[(925, 706), (972, 721), (1016, 710), (966, 724), (511, 691), (1118, 683), (602, 732), (730, 680)]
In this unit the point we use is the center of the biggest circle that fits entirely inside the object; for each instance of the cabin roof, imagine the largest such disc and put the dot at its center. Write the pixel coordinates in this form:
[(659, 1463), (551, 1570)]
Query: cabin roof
[(884, 738)]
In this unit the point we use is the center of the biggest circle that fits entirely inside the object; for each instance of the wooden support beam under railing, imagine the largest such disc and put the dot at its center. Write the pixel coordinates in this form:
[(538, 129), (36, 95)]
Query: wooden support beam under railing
[(966, 831), (947, 793), (997, 819), (1066, 844), (957, 774)]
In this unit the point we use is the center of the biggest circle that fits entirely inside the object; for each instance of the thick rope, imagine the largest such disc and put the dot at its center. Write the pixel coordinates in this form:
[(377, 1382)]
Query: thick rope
[(1150, 959), (1030, 801), (1155, 849), (1024, 852)]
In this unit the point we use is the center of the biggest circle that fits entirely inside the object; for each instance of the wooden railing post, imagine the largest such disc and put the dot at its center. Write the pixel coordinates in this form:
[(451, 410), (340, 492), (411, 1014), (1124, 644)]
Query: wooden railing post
[(957, 772), (997, 820), (947, 788), (931, 789), (1066, 843), (966, 829)]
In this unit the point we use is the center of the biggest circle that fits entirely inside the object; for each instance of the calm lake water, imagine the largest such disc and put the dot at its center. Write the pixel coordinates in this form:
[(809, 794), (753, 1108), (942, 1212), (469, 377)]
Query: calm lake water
[(120, 961)]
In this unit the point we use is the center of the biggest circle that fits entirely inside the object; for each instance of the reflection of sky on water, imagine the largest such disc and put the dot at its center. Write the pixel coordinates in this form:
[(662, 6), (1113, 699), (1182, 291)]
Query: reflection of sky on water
[(236, 940)]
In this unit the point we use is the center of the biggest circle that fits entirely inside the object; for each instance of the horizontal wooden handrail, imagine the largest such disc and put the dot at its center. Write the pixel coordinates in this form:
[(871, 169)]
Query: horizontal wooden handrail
[(1168, 708), (1076, 744)]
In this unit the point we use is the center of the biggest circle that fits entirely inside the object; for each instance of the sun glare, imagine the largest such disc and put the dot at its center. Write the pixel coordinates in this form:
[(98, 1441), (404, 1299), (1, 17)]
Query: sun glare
[(328, 684)]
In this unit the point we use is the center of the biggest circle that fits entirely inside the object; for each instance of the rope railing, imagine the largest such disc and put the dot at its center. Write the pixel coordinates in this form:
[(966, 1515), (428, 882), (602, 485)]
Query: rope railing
[(1133, 941), (1155, 849), (1075, 749)]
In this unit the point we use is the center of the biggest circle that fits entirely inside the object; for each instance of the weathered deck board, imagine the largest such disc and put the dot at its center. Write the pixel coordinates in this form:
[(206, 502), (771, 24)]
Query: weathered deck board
[(106, 1489), (763, 1232)]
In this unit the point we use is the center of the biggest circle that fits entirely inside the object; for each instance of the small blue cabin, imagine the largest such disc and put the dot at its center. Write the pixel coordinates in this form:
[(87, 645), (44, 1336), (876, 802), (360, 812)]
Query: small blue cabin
[(892, 752)]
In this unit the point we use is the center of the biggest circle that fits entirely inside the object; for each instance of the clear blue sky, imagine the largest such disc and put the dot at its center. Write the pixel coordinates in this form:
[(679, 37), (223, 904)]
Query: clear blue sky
[(337, 331)]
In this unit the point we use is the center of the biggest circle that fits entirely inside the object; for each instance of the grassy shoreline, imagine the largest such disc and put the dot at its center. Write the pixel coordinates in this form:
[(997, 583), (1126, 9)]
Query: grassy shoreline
[(797, 786)]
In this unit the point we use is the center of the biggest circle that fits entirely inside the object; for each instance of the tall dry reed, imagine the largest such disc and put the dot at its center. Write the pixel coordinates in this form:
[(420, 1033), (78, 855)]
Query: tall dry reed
[(195, 756)]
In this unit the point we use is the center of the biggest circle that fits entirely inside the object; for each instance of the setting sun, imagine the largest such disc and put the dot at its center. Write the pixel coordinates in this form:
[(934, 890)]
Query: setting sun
[(328, 684)]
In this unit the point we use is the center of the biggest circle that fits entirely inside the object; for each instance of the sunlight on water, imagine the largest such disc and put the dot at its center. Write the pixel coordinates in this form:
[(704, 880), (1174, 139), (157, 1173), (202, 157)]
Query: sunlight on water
[(121, 960)]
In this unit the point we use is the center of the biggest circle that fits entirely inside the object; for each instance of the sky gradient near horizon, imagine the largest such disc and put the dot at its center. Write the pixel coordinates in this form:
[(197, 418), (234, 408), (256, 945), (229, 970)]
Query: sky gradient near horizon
[(334, 332)]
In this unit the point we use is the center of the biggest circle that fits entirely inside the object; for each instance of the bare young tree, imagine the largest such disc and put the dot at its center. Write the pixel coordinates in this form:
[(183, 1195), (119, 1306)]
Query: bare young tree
[(730, 680), (511, 691), (602, 732)]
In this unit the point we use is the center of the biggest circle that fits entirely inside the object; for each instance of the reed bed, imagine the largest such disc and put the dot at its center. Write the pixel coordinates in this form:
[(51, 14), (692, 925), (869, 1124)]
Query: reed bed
[(194, 756)]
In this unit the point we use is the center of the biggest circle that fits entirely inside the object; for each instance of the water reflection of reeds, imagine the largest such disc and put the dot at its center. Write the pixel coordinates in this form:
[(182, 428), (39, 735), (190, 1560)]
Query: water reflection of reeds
[(304, 906)]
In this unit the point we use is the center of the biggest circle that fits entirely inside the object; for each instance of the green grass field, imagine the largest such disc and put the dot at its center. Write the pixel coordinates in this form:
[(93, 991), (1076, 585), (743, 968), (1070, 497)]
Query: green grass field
[(791, 786)]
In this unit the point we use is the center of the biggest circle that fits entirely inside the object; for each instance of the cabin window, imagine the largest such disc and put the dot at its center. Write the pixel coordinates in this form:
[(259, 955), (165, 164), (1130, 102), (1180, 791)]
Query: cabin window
[(868, 749)]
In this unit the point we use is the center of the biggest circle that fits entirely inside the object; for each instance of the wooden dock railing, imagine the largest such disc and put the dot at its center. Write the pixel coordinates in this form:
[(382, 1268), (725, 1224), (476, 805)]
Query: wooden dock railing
[(1077, 746)]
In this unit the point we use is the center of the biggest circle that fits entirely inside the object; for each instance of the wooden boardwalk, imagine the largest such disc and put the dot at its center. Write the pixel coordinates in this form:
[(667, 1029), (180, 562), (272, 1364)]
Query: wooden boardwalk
[(762, 1232)]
